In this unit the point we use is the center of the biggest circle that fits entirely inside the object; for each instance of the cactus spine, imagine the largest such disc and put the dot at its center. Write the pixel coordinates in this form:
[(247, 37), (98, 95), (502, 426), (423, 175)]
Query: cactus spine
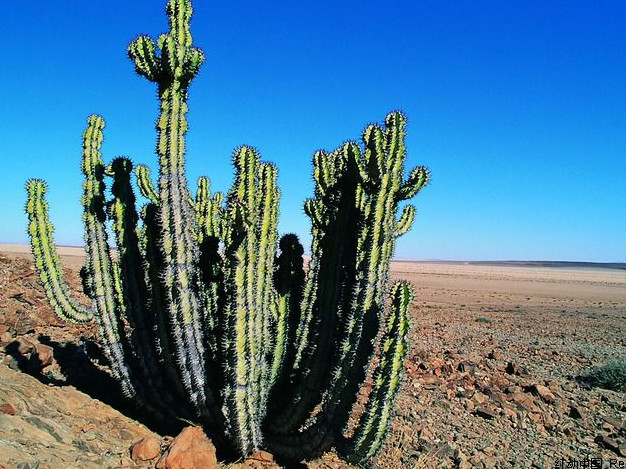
[(206, 316)]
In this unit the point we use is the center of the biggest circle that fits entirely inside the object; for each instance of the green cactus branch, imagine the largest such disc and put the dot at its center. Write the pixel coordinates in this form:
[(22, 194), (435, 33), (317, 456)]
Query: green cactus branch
[(374, 423), (207, 316), (144, 182), (47, 260)]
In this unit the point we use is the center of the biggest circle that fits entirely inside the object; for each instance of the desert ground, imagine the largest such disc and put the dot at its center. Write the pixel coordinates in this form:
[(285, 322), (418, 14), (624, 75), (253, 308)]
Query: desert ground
[(492, 379)]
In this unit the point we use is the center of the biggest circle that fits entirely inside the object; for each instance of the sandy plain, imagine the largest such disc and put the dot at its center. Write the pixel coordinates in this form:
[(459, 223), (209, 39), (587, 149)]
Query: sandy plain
[(493, 375)]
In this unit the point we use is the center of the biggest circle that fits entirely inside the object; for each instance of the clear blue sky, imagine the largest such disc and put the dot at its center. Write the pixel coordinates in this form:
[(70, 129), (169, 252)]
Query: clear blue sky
[(517, 107)]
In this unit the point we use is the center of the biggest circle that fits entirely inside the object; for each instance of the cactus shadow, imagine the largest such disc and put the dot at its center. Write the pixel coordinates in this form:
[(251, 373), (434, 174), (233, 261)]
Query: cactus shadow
[(84, 366)]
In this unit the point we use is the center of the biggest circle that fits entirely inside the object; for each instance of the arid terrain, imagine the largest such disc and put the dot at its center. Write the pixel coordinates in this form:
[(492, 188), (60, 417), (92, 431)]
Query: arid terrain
[(493, 375)]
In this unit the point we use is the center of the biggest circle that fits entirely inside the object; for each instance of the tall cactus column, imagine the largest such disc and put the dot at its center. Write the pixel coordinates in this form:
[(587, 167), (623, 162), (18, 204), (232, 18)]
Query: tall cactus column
[(173, 71)]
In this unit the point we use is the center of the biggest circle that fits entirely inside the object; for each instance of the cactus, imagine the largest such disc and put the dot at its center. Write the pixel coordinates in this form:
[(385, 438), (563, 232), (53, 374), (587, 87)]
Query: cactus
[(206, 316)]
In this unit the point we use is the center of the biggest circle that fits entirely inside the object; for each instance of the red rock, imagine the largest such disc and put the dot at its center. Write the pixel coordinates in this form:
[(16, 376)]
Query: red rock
[(8, 409), (431, 380), (44, 354), (556, 388), (501, 383), (24, 347), (191, 449), (542, 392), (145, 449), (262, 456), (437, 363), (525, 402), (495, 354)]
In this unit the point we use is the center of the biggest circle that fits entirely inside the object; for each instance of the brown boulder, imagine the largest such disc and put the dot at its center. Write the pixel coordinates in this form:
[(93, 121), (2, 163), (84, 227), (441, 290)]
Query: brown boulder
[(7, 409), (145, 449), (191, 449), (30, 354)]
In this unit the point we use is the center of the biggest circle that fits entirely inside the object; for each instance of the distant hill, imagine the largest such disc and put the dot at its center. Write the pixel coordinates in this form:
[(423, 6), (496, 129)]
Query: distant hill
[(551, 264)]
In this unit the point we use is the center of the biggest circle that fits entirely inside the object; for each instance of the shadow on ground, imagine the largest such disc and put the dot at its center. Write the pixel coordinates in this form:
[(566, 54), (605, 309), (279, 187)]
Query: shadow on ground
[(83, 366)]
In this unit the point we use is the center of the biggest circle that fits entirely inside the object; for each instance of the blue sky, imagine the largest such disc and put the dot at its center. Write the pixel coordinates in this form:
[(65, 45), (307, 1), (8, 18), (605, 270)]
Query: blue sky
[(517, 107)]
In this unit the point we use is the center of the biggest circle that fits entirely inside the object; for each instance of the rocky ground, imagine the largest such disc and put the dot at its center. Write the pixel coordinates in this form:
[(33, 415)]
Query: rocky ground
[(492, 379)]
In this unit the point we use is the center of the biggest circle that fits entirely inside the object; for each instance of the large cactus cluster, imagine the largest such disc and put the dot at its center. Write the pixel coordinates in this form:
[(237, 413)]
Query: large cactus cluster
[(206, 316)]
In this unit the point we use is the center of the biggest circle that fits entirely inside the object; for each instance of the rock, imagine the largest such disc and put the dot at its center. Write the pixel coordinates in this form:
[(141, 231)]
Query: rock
[(513, 389), (426, 435), (510, 413), (260, 460), (431, 380), (556, 388), (191, 449), (517, 370), (616, 423), (30, 354), (145, 449), (48, 424), (485, 413), (525, 402), (549, 421), (495, 354), (5, 338), (125, 461), (543, 392), (608, 443), (502, 383), (576, 412), (622, 450), (7, 409), (479, 398), (23, 347), (44, 354), (489, 450), (25, 465), (466, 366), (262, 456)]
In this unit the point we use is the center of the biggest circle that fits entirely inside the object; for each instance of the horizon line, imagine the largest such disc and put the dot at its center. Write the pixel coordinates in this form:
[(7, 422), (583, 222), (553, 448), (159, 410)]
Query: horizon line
[(519, 262)]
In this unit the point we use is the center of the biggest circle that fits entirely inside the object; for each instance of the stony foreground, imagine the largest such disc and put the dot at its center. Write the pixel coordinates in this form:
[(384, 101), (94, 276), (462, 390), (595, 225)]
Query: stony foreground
[(491, 382)]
